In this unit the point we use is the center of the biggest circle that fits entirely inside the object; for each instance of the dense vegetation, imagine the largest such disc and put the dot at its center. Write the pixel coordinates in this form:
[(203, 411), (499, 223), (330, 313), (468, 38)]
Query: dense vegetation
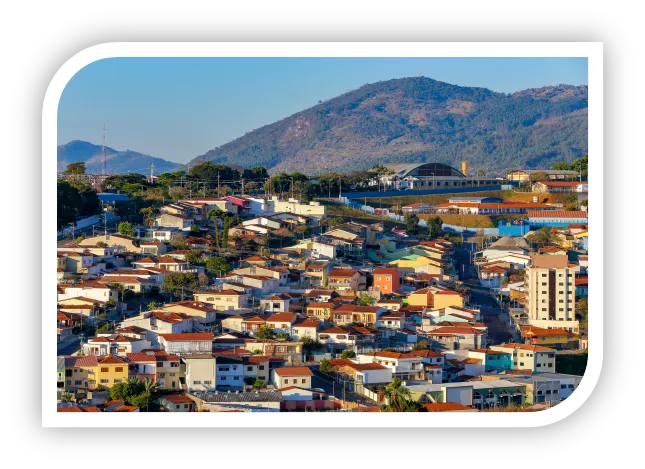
[(117, 161), (420, 119), (75, 200)]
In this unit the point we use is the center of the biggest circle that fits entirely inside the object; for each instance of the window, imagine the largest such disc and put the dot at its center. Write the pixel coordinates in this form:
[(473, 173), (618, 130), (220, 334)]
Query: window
[(303, 381), (236, 378), (197, 382), (104, 381), (207, 382), (185, 406), (119, 369), (104, 370), (563, 386), (521, 363), (286, 381), (78, 382)]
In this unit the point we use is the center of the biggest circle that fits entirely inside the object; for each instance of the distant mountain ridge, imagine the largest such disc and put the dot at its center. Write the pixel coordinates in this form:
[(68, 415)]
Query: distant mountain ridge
[(119, 162), (420, 119)]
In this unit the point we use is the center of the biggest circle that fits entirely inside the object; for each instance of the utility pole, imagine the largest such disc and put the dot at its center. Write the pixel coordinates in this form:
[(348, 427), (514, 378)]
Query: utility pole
[(292, 183), (73, 237), (340, 187), (218, 184), (103, 155)]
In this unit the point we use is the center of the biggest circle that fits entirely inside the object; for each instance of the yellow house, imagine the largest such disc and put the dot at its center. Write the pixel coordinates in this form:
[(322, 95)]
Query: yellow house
[(555, 338), (111, 370), (117, 241), (421, 297), (321, 311), (444, 298), (419, 263)]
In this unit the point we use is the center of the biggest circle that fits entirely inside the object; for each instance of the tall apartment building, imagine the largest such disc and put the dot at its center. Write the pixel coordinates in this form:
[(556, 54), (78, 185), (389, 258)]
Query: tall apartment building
[(550, 293)]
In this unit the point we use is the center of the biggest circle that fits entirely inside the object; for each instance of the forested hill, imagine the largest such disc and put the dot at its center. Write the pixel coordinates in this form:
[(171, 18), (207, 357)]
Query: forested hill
[(119, 162), (420, 119)]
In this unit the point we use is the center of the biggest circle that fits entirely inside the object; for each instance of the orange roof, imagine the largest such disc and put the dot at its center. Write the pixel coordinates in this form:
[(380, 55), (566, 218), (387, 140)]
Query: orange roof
[(293, 371), (366, 366), (342, 273), (443, 407), (533, 348), (555, 214), (562, 183), (187, 336), (321, 305), (178, 398), (281, 317), (390, 355), (385, 271), (111, 360)]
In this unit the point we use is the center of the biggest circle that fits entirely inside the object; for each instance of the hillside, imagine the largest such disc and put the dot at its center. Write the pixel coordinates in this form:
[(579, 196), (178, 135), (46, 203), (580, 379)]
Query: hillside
[(117, 161), (420, 119)]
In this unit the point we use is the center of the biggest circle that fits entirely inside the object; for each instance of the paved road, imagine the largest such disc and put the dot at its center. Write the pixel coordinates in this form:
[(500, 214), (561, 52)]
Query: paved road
[(69, 348), (319, 380)]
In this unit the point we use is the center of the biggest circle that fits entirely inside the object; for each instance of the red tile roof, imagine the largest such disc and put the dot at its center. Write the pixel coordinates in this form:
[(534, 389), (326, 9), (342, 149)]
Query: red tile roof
[(554, 214), (342, 273), (444, 407), (293, 371), (187, 336), (178, 398)]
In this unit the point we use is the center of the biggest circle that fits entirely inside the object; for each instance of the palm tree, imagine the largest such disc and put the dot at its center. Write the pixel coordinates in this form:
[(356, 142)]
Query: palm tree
[(150, 386), (398, 397)]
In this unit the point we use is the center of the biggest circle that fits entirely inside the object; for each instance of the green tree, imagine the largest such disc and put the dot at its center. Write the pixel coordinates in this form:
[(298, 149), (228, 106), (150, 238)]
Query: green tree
[(302, 230), (582, 313), (217, 265), (125, 228), (258, 383), (421, 345), (283, 336), (348, 354), (80, 239), (152, 306), (326, 366), (75, 168), (310, 345), (581, 165), (435, 227), (398, 398), (541, 237), (180, 284), (194, 230), (561, 166), (538, 176), (389, 349), (194, 257), (265, 332), (142, 401), (178, 241), (366, 300), (412, 223)]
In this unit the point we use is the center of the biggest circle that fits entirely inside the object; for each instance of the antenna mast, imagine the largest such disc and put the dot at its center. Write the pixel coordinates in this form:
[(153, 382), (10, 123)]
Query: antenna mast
[(152, 169), (104, 159)]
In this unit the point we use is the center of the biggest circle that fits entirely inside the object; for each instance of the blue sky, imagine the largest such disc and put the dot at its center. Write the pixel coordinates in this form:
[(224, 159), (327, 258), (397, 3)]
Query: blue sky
[(179, 108)]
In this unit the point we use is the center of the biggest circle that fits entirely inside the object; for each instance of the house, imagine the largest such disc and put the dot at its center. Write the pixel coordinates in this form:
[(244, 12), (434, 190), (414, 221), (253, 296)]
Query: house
[(554, 187), (193, 342), (229, 373), (110, 370), (114, 344), (404, 366), (321, 311), (134, 284), (478, 394), (291, 376), (275, 303), (92, 290), (432, 363), (559, 339), (535, 358), (492, 276), (119, 242), (317, 295), (177, 403), (238, 402), (159, 366), (174, 220), (291, 351), (160, 322), (339, 338), (350, 313), (260, 366), (391, 320), (153, 248), (199, 374), (491, 360), (386, 280), (306, 328), (390, 305), (457, 337), (345, 279), (281, 322), (224, 300), (367, 373), (167, 263)]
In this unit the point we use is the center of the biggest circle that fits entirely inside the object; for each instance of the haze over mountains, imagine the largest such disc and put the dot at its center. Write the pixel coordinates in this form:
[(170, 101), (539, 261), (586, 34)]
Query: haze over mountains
[(117, 161), (420, 119)]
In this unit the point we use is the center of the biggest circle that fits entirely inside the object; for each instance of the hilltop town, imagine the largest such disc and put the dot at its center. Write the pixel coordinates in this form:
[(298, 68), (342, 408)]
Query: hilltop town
[(414, 288)]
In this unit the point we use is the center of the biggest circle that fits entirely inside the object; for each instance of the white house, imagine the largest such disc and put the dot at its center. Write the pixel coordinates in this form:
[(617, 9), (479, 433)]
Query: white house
[(291, 376), (403, 365), (229, 373), (193, 342)]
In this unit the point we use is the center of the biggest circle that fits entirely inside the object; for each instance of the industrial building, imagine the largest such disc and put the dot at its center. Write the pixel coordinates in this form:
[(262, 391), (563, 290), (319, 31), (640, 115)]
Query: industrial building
[(524, 175), (425, 176), (557, 219)]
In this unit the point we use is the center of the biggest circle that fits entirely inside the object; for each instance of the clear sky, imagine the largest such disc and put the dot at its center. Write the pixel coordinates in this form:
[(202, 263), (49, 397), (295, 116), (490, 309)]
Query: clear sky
[(179, 108)]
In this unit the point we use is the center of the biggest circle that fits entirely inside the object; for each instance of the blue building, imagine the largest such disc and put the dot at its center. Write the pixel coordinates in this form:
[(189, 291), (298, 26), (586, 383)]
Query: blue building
[(514, 228), (111, 198), (563, 219)]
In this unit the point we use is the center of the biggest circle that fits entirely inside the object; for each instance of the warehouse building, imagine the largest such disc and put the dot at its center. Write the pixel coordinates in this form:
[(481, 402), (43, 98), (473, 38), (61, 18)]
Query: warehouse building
[(524, 175), (427, 176)]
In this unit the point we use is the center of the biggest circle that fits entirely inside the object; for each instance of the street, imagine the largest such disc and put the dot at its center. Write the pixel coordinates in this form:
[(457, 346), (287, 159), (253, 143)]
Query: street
[(320, 380), (491, 313), (68, 348)]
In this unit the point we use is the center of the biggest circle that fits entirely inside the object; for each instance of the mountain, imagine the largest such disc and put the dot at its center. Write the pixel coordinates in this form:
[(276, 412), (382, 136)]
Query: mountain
[(116, 161), (420, 119)]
